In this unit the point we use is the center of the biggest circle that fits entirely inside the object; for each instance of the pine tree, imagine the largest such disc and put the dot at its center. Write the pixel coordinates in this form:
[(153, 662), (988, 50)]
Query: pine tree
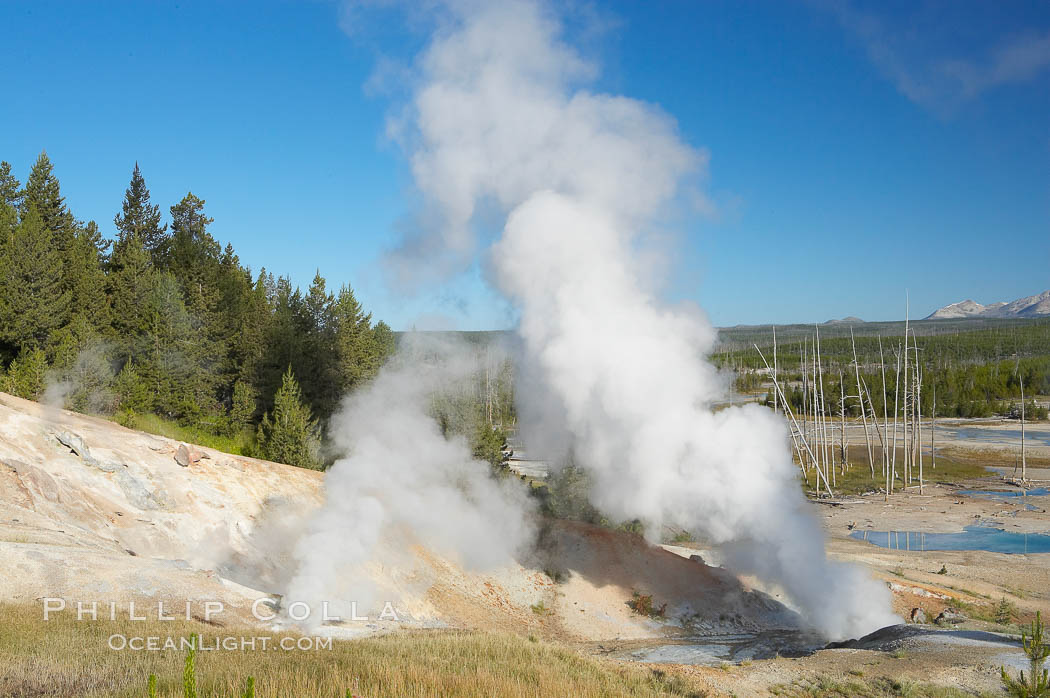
[(27, 374), (195, 263), (1037, 683), (33, 298), (254, 323), (10, 200), (384, 343), (43, 194), (176, 362), (291, 436), (10, 188), (132, 392), (318, 364), (353, 340), (87, 280), (283, 339), (193, 251), (242, 408), (130, 283), (235, 312), (140, 219)]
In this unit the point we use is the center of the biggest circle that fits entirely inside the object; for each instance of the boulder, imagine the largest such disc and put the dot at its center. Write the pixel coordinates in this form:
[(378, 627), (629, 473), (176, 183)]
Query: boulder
[(949, 615), (73, 442), (918, 615), (77, 446), (188, 455)]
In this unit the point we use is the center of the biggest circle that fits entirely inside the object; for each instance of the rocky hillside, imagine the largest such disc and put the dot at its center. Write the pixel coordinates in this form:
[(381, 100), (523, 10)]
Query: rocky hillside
[(1031, 306)]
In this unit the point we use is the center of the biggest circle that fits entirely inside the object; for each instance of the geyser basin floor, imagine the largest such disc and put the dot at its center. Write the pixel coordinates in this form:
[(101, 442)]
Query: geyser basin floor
[(986, 538), (715, 650)]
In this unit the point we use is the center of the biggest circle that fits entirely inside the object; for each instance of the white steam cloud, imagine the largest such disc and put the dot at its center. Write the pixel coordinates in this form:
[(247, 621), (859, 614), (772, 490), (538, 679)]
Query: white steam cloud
[(402, 483), (499, 117)]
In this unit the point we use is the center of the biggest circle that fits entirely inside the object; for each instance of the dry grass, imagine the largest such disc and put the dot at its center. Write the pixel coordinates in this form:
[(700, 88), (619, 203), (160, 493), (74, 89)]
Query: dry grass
[(64, 657)]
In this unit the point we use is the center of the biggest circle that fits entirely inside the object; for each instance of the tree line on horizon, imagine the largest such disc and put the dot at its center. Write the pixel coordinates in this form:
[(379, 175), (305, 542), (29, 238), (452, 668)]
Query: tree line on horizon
[(163, 320), (967, 373)]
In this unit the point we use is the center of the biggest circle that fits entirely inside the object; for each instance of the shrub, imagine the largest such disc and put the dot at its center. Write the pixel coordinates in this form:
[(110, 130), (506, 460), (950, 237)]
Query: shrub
[(568, 496), (26, 374), (643, 604), (1005, 612)]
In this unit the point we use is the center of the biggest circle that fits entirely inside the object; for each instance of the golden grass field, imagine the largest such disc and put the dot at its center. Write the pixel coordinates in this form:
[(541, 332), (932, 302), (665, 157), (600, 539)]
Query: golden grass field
[(66, 657)]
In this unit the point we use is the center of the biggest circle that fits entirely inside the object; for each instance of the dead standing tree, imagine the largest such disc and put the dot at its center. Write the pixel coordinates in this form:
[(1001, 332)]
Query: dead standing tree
[(844, 453), (791, 414), (896, 410), (863, 412), (823, 408), (1024, 467), (886, 422), (918, 408)]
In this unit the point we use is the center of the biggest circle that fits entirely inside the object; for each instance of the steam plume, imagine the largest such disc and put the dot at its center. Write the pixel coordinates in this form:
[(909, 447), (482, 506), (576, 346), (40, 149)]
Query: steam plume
[(402, 483), (499, 116)]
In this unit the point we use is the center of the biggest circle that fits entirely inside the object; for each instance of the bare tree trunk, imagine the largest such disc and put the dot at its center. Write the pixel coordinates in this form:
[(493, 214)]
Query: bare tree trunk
[(904, 402), (842, 422), (805, 385), (823, 410), (933, 429), (896, 410), (794, 421), (918, 412), (1024, 468), (863, 412), (488, 387), (886, 424), (818, 418), (775, 367), (875, 421), (815, 398)]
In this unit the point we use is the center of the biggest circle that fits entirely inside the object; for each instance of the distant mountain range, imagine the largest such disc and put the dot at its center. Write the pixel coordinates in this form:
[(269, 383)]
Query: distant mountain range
[(1032, 306)]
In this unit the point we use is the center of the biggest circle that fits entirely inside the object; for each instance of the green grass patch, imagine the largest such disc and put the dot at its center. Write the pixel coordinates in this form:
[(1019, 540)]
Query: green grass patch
[(857, 477), (239, 445)]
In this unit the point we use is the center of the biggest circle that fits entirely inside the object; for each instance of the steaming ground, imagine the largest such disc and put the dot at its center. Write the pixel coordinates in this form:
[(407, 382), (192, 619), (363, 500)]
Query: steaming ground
[(123, 521), (402, 483)]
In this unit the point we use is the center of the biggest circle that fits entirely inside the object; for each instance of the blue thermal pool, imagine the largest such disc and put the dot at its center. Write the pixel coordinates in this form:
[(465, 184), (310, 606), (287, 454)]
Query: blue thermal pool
[(1004, 435), (987, 538)]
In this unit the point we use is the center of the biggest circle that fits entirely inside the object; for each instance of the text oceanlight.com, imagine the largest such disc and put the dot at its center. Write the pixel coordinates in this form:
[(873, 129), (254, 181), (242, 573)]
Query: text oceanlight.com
[(229, 643)]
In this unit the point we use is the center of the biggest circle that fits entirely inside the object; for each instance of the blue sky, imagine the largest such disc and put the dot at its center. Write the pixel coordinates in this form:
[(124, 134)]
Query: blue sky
[(857, 149)]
